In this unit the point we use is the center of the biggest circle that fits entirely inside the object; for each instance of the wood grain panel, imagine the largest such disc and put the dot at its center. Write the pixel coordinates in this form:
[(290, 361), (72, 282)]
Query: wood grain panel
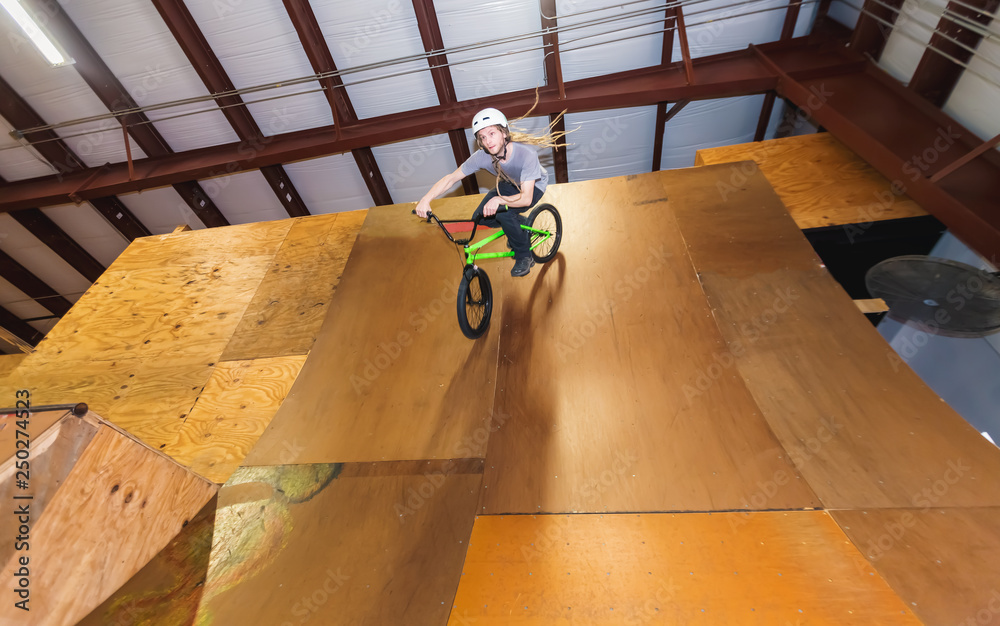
[(57, 438), (231, 413), (602, 352), (289, 307), (862, 428), (10, 362), (118, 507), (169, 588), (944, 563), (299, 544), (770, 568), (819, 179), (391, 377)]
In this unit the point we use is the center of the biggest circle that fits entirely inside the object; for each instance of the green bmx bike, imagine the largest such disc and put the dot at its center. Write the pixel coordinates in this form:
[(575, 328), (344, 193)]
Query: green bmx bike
[(475, 294)]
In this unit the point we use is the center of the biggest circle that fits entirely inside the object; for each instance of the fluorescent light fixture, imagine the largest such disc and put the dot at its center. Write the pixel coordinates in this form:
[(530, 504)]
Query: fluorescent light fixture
[(48, 49)]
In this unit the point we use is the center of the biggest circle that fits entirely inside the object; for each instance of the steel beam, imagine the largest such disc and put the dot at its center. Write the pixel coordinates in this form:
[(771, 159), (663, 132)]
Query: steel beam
[(17, 275), (108, 88), (373, 177), (726, 75), (871, 34), (314, 44), (460, 147), (765, 116), (192, 41), (39, 225), (936, 75), (119, 216), (19, 328), (559, 154)]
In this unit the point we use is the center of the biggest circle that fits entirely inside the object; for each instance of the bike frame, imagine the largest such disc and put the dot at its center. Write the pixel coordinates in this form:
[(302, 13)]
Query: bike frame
[(471, 256)]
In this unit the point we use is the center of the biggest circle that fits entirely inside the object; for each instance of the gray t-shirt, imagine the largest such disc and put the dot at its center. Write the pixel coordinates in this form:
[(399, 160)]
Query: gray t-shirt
[(522, 166)]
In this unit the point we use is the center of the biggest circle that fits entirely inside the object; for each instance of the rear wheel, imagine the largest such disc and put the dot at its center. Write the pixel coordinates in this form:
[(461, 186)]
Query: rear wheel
[(475, 302), (545, 217)]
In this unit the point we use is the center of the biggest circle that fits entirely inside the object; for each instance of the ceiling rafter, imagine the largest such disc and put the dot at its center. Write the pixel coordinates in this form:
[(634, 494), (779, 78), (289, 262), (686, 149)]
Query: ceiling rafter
[(46, 231), (669, 26), (765, 116), (365, 159), (115, 97), (205, 62), (119, 216), (554, 78), (732, 74), (791, 18), (36, 289), (430, 35), (19, 113), (550, 41), (870, 34), (559, 162), (663, 115), (19, 328), (314, 43), (936, 76)]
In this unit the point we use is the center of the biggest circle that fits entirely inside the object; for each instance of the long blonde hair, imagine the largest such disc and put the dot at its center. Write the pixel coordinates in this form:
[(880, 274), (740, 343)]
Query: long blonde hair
[(549, 138)]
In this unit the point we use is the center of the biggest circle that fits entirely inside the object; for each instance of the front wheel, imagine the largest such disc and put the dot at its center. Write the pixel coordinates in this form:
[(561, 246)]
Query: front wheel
[(545, 217), (475, 302)]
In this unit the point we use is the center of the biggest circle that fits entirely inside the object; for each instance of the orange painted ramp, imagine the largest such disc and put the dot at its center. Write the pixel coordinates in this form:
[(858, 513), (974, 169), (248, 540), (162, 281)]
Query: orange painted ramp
[(601, 355), (769, 568)]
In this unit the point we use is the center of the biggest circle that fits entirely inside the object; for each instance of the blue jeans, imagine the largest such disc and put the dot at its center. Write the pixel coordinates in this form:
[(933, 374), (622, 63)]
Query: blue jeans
[(510, 220)]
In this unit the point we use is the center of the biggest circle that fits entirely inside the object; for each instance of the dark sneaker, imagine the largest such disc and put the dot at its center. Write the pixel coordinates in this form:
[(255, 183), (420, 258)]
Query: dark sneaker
[(522, 266)]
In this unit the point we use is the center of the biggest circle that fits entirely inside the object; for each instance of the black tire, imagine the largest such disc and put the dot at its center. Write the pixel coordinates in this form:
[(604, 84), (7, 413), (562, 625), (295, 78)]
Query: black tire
[(475, 302), (546, 217)]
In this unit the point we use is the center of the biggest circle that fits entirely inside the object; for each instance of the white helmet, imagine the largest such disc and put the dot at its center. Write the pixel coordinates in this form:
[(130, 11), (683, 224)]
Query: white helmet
[(488, 117)]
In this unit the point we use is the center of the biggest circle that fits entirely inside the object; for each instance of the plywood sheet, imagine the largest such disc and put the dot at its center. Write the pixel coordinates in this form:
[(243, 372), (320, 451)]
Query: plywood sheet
[(944, 563), (597, 402), (169, 588), (767, 568), (819, 179), (9, 362), (118, 507), (861, 427), (53, 449), (390, 377), (301, 543), (231, 413), (289, 307)]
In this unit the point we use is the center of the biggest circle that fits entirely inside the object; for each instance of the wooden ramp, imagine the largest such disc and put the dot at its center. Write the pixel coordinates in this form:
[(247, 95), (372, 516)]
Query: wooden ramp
[(680, 419), (106, 504)]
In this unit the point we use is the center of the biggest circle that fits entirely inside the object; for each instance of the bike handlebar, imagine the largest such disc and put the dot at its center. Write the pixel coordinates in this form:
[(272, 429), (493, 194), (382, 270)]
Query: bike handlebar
[(441, 223)]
